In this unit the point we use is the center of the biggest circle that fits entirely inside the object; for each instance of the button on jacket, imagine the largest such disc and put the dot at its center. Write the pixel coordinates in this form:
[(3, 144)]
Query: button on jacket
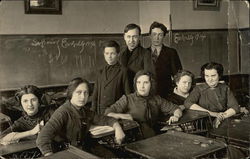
[(112, 82)]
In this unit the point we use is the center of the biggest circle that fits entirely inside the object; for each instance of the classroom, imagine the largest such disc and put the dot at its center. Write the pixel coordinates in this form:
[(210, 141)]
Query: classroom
[(54, 47)]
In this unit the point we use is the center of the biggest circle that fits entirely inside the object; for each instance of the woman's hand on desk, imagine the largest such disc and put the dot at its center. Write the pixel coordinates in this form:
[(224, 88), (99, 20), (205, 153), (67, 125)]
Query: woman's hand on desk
[(119, 134), (120, 116), (172, 119)]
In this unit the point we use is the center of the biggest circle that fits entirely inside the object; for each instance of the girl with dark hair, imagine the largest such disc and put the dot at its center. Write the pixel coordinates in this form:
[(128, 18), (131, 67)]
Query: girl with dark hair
[(143, 105), (71, 122), (213, 97), (35, 114), (183, 80)]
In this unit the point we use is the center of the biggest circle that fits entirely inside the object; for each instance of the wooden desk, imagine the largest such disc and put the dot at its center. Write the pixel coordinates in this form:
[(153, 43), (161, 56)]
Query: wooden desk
[(235, 131), (174, 144), (17, 147), (72, 153), (192, 121)]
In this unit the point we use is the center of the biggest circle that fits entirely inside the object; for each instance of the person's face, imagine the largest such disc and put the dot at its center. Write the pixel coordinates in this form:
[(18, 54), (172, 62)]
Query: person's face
[(184, 84), (80, 95), (143, 85), (211, 77), (157, 36), (30, 104), (132, 38), (110, 55)]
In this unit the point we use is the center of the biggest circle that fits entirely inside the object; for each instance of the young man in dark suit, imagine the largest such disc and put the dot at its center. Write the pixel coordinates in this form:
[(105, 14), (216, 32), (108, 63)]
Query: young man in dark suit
[(165, 59), (134, 57), (112, 81)]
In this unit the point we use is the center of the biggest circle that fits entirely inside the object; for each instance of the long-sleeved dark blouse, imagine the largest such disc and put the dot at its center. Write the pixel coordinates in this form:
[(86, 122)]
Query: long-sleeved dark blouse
[(216, 99), (27, 122), (70, 125), (143, 110)]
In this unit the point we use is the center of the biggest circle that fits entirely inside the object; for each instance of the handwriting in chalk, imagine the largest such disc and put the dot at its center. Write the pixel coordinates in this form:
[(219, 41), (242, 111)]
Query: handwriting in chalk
[(82, 58), (179, 37)]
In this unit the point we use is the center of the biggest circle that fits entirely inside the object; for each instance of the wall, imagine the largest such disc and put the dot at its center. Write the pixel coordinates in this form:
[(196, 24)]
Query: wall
[(150, 11), (78, 17), (185, 17), (111, 16)]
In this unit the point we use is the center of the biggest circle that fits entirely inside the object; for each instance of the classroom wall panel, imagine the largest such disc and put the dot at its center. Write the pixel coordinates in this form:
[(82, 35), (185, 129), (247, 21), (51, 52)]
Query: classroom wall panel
[(151, 11), (78, 17), (185, 17)]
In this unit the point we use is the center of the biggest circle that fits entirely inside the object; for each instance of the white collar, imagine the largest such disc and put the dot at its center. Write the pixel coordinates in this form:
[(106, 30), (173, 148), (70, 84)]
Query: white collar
[(180, 94)]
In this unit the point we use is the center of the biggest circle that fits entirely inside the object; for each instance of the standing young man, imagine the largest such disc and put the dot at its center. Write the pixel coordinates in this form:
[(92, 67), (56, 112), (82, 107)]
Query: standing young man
[(112, 81), (135, 57), (165, 59)]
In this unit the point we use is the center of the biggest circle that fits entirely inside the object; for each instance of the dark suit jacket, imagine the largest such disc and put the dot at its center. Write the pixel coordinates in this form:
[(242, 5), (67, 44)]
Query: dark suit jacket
[(168, 63), (108, 91), (139, 60)]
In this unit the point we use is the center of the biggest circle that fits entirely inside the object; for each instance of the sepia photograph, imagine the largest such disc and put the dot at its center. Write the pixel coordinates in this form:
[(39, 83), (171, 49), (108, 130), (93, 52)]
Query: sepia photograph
[(146, 79)]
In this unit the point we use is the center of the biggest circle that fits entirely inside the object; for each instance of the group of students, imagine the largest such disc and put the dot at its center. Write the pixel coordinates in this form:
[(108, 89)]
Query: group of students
[(136, 84)]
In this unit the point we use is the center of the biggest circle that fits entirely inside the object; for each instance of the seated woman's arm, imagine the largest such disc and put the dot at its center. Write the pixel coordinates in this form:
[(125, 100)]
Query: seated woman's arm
[(15, 136), (168, 107), (54, 125), (118, 108), (106, 120), (232, 104), (193, 98)]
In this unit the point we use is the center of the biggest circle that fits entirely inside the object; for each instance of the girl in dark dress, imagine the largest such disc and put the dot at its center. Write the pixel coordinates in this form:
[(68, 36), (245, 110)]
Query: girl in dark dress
[(35, 114), (143, 105), (71, 122)]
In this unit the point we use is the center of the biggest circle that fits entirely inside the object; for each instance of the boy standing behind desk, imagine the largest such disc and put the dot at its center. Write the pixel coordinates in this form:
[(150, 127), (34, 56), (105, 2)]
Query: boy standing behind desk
[(112, 80)]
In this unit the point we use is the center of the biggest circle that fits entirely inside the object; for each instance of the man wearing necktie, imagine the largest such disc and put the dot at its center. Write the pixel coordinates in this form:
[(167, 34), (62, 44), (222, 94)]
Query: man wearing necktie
[(166, 60), (134, 57)]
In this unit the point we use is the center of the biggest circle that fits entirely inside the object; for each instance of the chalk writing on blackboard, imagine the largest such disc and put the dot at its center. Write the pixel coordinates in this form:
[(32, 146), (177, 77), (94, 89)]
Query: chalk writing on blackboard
[(83, 47), (190, 37)]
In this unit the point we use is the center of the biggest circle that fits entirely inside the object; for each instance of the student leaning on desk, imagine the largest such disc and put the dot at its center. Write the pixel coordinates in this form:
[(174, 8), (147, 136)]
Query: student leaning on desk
[(71, 122), (213, 97), (143, 105), (35, 114)]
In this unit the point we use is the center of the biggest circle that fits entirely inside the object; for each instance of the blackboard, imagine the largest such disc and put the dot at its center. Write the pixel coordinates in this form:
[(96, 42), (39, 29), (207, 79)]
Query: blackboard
[(196, 48), (244, 36), (50, 59)]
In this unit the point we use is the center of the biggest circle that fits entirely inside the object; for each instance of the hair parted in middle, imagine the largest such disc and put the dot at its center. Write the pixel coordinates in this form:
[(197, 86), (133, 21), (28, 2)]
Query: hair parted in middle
[(151, 79), (182, 73), (73, 84), (212, 65), (29, 89)]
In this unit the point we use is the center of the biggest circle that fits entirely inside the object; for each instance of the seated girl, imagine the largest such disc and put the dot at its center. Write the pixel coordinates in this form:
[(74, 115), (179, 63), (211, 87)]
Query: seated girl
[(143, 105), (213, 97), (71, 122), (183, 80), (35, 114)]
